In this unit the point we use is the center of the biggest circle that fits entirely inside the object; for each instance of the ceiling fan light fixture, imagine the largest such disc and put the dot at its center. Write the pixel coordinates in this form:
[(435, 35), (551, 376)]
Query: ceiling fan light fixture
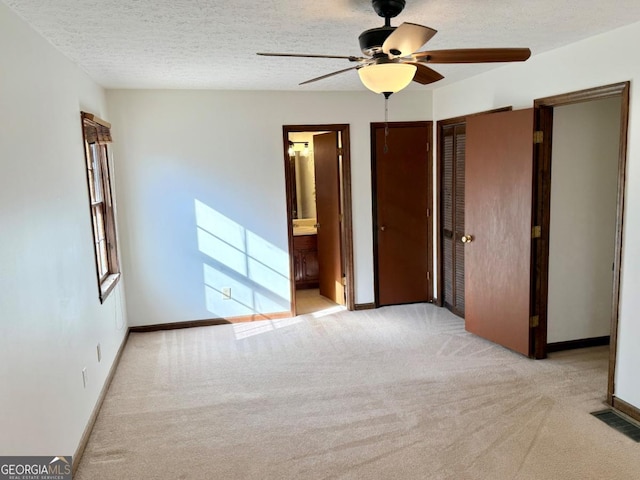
[(387, 77)]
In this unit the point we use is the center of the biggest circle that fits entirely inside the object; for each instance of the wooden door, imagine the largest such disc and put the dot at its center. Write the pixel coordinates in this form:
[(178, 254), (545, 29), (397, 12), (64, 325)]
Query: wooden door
[(402, 199), (325, 147), (452, 154), (498, 201)]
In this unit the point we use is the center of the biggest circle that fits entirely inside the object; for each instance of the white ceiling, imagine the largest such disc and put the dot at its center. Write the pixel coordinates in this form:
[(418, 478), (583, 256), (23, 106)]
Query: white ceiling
[(211, 44)]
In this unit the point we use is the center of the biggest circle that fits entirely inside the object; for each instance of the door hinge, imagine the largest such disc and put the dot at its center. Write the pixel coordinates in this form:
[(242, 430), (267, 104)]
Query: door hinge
[(428, 146), (534, 321), (339, 151), (428, 212), (428, 275), (344, 281), (536, 232), (538, 136)]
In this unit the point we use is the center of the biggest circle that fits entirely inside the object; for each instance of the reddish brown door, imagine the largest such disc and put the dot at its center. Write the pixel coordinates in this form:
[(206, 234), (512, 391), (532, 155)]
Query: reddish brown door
[(325, 149), (498, 189), (401, 193)]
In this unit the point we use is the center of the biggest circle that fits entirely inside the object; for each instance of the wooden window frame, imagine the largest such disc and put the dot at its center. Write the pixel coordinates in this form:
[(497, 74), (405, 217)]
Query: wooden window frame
[(97, 136)]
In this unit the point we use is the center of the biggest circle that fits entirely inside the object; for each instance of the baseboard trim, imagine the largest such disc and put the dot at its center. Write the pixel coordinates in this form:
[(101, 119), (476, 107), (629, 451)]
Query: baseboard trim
[(626, 408), (582, 343), (364, 306), (209, 322), (177, 325), (77, 456)]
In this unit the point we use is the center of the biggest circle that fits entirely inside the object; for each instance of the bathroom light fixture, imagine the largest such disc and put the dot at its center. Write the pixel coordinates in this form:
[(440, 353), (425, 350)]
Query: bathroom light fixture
[(387, 78), (303, 151)]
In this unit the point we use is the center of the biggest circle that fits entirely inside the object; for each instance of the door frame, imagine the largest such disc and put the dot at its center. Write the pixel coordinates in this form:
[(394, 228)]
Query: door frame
[(374, 201), (440, 124), (543, 118), (346, 231)]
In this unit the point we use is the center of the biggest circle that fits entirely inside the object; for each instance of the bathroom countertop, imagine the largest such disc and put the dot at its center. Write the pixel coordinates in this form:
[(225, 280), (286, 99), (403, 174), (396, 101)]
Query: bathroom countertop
[(304, 230)]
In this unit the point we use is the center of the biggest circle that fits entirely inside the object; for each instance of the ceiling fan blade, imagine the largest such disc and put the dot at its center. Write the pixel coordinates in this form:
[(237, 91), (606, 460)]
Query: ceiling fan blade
[(329, 75), (425, 75), (474, 55), (304, 55), (406, 39)]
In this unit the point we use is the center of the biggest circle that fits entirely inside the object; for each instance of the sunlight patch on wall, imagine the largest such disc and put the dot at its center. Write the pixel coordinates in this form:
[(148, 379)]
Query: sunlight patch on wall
[(270, 255), (219, 225), (269, 278), (246, 299), (222, 252), (255, 271)]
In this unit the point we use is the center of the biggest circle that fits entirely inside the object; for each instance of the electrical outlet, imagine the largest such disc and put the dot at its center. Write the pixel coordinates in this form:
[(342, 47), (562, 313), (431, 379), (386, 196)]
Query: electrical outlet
[(99, 352), (85, 379), (226, 293)]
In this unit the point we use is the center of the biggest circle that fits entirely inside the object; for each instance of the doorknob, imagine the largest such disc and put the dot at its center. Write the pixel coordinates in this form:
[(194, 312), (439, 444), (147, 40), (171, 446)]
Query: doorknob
[(466, 239), (383, 228)]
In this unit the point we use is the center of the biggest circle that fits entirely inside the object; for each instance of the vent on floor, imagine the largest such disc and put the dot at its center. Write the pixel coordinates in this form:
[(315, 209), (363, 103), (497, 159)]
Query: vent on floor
[(618, 422)]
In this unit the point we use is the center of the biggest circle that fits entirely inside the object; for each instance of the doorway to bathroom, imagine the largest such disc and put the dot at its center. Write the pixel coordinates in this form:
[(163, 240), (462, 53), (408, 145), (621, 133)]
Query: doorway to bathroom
[(318, 190)]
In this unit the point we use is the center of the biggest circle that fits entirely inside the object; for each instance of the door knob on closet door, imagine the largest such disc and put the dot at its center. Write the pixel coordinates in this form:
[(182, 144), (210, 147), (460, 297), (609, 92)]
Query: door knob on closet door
[(383, 228), (466, 239)]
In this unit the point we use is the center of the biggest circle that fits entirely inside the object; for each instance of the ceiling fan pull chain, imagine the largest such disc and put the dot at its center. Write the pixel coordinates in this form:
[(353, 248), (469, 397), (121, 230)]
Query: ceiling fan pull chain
[(386, 123)]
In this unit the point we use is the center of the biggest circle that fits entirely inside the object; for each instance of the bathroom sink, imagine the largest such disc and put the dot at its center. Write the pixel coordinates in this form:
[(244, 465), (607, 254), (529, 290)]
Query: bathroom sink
[(304, 230)]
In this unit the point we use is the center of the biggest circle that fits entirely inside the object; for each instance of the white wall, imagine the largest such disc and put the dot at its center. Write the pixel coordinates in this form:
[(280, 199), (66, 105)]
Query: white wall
[(601, 60), (584, 187), (223, 152), (176, 148), (50, 316)]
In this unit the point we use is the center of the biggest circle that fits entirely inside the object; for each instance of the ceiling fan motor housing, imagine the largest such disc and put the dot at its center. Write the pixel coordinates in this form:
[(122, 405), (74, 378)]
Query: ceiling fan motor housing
[(371, 40)]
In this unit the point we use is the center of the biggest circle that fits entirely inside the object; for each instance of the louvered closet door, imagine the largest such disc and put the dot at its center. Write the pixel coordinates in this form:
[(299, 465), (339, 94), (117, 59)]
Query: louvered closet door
[(452, 156)]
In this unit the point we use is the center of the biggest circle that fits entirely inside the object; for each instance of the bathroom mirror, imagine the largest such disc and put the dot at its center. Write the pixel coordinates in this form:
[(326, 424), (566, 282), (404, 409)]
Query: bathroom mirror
[(303, 181)]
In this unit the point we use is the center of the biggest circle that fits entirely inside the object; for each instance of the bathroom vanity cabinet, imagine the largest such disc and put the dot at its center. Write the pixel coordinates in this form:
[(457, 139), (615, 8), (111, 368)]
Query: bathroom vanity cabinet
[(305, 254)]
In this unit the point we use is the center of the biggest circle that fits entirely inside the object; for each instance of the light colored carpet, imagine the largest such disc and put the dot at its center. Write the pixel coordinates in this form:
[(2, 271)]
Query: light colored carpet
[(395, 393)]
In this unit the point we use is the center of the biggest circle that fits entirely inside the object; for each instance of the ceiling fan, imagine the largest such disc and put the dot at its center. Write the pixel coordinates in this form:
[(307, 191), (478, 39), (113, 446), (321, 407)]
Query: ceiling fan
[(391, 60)]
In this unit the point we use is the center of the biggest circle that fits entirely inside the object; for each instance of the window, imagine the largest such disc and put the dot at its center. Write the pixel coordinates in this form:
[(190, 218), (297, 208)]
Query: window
[(97, 136)]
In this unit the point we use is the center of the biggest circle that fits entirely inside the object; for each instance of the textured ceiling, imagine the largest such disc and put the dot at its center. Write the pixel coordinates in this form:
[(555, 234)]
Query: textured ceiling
[(212, 44)]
